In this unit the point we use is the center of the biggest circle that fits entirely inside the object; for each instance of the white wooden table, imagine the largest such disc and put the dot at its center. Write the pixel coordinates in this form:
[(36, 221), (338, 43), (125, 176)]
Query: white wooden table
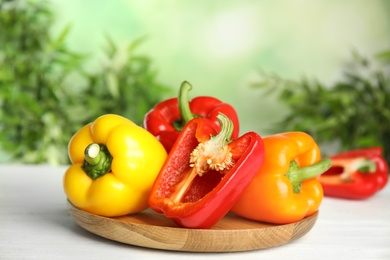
[(34, 224)]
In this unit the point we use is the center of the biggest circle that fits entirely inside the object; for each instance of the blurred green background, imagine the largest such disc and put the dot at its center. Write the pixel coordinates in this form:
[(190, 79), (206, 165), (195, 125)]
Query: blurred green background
[(220, 46)]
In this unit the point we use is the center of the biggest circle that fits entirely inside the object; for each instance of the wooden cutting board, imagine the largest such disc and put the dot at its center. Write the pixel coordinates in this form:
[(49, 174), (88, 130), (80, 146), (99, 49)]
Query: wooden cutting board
[(152, 230)]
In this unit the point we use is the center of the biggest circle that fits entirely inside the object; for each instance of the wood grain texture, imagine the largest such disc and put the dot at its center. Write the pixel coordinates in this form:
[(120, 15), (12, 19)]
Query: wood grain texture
[(152, 230)]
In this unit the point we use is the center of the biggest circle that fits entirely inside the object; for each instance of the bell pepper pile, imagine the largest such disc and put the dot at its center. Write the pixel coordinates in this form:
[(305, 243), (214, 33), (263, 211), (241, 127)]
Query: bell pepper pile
[(189, 162), (356, 174)]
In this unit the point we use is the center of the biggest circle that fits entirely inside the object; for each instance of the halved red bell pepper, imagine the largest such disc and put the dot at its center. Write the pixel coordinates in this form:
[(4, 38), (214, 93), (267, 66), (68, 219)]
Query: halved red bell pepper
[(356, 174), (167, 118), (205, 173)]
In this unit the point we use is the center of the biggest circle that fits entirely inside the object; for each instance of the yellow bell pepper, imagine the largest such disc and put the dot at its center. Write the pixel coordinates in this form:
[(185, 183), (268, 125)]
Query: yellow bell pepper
[(114, 165)]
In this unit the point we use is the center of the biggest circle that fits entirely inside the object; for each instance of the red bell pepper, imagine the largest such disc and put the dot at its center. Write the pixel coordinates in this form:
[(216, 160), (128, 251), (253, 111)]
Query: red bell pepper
[(205, 173), (356, 174), (167, 118)]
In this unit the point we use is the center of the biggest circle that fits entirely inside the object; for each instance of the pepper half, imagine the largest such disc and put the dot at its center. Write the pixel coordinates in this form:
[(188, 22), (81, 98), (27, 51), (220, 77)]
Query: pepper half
[(114, 165), (286, 188), (356, 174), (167, 118), (205, 173)]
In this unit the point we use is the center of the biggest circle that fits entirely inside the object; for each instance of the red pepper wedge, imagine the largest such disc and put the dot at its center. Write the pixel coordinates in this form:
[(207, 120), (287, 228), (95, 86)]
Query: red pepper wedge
[(205, 173), (167, 118), (356, 174)]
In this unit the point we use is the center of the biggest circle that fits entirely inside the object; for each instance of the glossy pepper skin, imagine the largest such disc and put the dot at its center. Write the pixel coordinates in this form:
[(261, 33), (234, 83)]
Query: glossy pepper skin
[(167, 118), (286, 188), (114, 165), (356, 174), (203, 177)]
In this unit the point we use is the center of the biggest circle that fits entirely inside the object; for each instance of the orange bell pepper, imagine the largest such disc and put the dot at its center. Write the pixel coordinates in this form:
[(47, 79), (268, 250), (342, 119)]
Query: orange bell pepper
[(286, 188)]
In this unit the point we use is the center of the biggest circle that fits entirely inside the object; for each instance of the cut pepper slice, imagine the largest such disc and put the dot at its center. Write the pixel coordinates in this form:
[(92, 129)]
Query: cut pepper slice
[(205, 173)]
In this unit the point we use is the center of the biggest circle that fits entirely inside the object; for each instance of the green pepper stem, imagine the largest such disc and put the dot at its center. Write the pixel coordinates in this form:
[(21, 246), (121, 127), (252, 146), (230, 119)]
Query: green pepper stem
[(214, 154), (352, 165), (183, 102), (298, 174), (361, 164), (226, 131), (92, 154), (366, 166), (97, 160)]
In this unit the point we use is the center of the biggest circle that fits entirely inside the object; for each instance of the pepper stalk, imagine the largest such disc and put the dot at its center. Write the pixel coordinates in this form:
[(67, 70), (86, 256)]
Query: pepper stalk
[(184, 106), (297, 174), (350, 166), (97, 160)]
